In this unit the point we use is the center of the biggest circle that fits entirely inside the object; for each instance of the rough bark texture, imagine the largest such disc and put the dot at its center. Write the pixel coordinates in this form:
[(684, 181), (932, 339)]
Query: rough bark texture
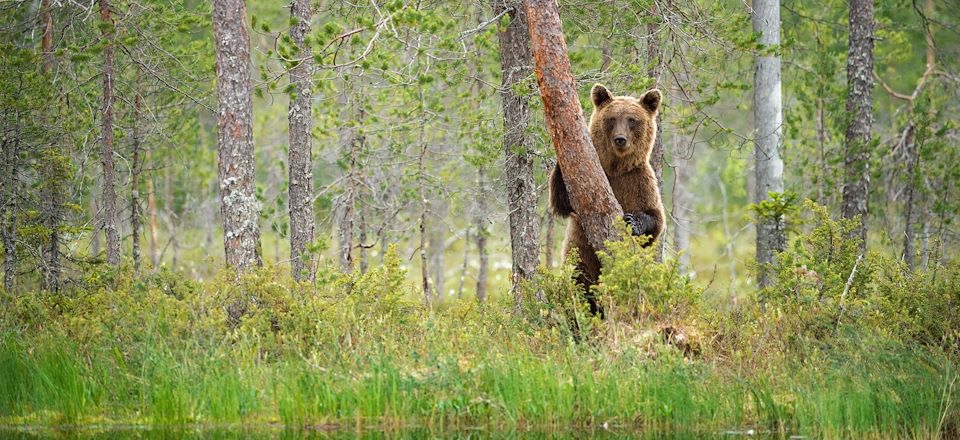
[(52, 190), (655, 61), (515, 60), (106, 142), (135, 168), (590, 193), (352, 141), (859, 110), (768, 118), (421, 177), (238, 203), (300, 158), (11, 153)]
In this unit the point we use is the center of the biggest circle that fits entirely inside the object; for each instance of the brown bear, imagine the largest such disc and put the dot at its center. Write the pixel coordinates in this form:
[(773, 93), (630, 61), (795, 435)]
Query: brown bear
[(623, 130)]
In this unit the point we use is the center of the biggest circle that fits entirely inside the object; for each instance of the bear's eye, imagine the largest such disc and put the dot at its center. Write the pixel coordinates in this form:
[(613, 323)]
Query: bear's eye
[(610, 122), (633, 123)]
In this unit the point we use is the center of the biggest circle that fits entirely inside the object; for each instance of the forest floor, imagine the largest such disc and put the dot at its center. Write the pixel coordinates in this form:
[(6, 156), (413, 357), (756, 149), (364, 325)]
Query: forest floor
[(836, 347)]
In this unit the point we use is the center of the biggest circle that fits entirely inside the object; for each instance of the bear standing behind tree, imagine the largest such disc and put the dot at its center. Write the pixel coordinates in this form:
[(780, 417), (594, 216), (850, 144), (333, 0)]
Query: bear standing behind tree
[(623, 130)]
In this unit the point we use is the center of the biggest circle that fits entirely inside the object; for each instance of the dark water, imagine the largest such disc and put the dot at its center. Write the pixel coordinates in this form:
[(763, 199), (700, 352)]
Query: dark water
[(259, 433)]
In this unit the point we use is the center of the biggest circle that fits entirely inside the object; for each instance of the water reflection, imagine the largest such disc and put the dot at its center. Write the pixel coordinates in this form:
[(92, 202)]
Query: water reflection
[(130, 433)]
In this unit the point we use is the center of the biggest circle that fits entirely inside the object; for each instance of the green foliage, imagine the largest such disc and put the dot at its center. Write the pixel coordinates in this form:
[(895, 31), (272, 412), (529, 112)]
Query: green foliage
[(635, 287)]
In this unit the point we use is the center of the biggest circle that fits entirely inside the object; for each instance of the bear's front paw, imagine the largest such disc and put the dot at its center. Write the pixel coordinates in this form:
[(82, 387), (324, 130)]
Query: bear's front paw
[(640, 223), (631, 221)]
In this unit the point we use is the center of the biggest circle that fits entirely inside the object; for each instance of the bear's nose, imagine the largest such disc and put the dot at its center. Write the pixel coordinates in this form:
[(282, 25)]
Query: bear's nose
[(620, 141)]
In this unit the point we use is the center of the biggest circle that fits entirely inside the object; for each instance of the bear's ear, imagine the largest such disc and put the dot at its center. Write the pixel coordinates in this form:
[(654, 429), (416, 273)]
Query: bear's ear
[(600, 95), (651, 100)]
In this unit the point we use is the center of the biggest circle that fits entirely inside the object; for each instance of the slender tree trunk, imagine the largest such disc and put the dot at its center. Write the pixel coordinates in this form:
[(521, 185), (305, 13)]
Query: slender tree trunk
[(590, 194), (548, 240), (822, 153), (362, 237), (466, 261), (345, 225), (52, 189), (768, 117), (913, 161), (859, 110), (421, 178), (171, 214), (515, 64), (683, 211), (11, 153), (106, 141), (238, 203), (655, 61), (152, 218), (95, 228), (135, 169), (300, 158), (482, 234)]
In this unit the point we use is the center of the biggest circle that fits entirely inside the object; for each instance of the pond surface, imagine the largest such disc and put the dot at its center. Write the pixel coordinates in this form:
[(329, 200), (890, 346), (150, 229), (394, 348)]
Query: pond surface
[(134, 432)]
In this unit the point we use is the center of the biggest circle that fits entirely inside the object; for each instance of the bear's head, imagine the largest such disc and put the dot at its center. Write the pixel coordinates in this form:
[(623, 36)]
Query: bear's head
[(623, 128)]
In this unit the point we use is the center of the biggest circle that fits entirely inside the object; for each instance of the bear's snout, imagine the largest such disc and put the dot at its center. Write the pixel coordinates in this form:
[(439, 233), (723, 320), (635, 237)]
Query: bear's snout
[(620, 141)]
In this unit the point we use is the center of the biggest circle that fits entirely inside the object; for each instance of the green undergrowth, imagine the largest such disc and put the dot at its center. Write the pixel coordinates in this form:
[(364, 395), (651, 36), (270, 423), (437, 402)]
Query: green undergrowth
[(827, 350)]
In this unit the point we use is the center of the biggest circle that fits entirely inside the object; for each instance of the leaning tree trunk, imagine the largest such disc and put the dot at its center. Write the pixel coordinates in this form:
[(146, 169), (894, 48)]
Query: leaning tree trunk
[(859, 110), (238, 203), (515, 58), (768, 117), (106, 142), (590, 193), (301, 145)]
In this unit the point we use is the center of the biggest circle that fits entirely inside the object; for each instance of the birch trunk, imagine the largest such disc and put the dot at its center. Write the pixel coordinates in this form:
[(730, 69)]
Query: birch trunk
[(859, 110), (768, 118), (238, 203)]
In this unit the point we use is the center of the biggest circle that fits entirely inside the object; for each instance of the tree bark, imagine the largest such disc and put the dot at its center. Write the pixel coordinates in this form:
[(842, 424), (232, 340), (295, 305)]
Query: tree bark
[(11, 153), (238, 203), (421, 178), (913, 162), (53, 189), (859, 109), (768, 118), (106, 141), (590, 194), (135, 169), (655, 62), (300, 158), (349, 139), (152, 217), (515, 64)]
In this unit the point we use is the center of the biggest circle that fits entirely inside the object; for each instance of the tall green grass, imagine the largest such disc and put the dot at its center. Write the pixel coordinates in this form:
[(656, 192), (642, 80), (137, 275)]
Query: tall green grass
[(879, 390)]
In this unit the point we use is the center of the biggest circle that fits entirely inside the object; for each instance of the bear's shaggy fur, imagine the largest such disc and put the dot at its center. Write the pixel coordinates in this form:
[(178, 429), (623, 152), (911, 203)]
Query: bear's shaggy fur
[(623, 130)]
